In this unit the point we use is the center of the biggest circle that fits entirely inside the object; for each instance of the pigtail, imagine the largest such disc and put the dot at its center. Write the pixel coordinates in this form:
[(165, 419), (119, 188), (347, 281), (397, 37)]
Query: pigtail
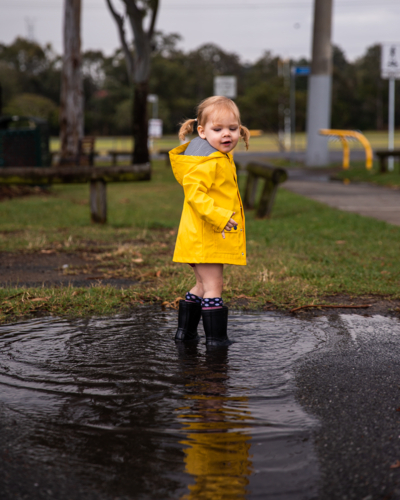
[(186, 128), (245, 135)]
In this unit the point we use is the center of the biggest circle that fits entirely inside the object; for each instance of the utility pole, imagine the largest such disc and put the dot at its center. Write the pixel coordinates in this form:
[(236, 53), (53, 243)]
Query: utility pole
[(320, 85), (71, 115)]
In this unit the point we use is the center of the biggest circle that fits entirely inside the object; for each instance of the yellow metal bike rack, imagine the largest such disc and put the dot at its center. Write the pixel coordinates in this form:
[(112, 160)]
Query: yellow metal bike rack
[(343, 134)]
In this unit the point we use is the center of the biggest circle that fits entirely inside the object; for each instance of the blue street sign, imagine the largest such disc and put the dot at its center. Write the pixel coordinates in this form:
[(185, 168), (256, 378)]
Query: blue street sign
[(301, 70)]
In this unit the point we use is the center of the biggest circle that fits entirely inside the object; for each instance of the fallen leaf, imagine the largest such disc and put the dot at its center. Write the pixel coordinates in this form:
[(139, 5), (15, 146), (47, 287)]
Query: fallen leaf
[(47, 251), (158, 274), (396, 465), (137, 261), (243, 297), (40, 299), (340, 242)]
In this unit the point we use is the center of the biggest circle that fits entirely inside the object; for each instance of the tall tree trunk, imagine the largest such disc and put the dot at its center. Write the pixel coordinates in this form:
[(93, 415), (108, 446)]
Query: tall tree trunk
[(71, 116), (138, 65), (139, 124)]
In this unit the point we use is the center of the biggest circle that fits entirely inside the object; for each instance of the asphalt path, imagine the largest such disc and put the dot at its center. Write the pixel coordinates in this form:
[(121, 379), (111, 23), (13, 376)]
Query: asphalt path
[(378, 202), (352, 385)]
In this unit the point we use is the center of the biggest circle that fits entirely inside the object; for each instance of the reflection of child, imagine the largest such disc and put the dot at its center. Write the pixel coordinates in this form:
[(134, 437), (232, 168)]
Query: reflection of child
[(212, 228)]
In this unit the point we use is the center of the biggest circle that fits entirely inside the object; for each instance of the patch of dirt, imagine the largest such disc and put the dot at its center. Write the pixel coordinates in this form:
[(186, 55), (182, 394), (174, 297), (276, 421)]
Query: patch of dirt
[(51, 269), (378, 305)]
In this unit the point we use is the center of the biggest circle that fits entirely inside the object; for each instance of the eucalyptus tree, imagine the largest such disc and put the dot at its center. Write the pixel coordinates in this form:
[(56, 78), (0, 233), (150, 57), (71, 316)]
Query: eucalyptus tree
[(71, 112), (138, 62)]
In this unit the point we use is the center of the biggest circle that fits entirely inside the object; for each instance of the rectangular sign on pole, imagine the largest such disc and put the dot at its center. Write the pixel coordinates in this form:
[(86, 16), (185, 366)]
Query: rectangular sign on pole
[(390, 69), (225, 86), (390, 60), (155, 128), (301, 70)]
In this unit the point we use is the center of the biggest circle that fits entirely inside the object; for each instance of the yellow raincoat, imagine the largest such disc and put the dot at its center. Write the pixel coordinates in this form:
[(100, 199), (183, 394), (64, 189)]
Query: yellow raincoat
[(211, 197)]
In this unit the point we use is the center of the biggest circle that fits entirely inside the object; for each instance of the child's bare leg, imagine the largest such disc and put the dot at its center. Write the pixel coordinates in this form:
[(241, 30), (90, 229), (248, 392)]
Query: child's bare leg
[(198, 287), (211, 278)]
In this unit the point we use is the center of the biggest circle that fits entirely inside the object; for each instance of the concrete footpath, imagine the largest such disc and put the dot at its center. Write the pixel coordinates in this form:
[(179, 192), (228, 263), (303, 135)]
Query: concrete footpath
[(365, 199)]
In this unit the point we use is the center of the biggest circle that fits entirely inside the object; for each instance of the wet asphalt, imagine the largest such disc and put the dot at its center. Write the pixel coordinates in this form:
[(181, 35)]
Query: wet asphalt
[(352, 385), (345, 381)]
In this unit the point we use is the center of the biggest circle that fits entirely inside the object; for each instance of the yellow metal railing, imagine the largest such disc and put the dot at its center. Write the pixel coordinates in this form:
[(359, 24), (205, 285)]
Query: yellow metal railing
[(343, 135)]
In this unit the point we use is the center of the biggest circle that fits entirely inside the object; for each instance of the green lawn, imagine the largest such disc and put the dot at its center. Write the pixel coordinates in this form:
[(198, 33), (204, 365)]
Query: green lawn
[(306, 252), (266, 142), (358, 173)]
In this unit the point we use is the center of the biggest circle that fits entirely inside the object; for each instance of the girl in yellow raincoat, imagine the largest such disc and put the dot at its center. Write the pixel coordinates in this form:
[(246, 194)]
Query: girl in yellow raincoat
[(212, 228)]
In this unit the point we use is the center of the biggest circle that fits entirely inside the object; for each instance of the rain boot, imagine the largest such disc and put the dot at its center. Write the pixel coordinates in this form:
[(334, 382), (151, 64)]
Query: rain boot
[(215, 322), (188, 319)]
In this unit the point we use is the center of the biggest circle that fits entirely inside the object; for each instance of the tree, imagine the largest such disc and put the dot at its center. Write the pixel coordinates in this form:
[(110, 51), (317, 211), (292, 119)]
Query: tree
[(71, 116), (34, 105), (138, 65)]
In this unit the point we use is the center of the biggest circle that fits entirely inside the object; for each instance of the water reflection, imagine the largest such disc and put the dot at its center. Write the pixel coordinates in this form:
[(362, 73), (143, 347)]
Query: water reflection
[(215, 424), (123, 412)]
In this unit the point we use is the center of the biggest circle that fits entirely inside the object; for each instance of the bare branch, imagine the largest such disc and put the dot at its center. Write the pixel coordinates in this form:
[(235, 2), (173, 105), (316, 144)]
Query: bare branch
[(153, 19), (121, 30)]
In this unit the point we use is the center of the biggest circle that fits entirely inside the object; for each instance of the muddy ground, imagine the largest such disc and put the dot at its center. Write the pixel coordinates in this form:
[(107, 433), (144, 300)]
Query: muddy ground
[(48, 268), (79, 269)]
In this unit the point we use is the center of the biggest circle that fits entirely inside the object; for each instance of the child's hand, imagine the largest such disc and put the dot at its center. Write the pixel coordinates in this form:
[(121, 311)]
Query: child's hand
[(230, 224)]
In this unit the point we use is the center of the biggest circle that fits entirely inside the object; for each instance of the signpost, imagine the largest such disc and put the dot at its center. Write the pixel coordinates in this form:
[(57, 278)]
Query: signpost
[(155, 128), (153, 98), (225, 86), (295, 71), (390, 69)]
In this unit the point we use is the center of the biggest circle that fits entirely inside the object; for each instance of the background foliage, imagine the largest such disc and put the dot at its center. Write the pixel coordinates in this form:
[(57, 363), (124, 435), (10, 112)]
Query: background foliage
[(30, 81)]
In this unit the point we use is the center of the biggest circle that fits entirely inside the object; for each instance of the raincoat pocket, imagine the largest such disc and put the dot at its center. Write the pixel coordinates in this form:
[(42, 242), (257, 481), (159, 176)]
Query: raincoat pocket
[(232, 243)]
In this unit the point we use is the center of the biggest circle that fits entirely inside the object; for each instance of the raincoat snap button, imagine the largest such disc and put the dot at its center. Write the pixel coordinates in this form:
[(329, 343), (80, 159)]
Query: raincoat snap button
[(242, 253)]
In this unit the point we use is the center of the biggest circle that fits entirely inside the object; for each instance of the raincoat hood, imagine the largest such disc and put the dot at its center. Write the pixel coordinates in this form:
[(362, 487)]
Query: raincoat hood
[(183, 164)]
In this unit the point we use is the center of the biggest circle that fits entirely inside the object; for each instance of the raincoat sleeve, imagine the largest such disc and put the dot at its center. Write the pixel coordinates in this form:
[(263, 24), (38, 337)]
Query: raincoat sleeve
[(196, 184)]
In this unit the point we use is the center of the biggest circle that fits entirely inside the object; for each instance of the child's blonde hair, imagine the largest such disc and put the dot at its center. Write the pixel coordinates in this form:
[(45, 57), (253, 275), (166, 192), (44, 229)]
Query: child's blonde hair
[(210, 105)]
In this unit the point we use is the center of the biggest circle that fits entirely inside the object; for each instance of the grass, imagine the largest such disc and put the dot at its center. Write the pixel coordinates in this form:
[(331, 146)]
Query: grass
[(304, 254), (266, 142), (358, 173)]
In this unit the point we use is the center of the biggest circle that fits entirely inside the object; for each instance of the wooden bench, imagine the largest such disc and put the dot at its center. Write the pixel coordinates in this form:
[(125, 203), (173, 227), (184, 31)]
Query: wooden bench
[(85, 156), (76, 174), (114, 153), (272, 176), (383, 155)]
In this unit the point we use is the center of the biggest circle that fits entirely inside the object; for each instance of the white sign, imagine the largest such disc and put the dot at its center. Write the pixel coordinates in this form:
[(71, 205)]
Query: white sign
[(155, 128), (225, 86), (390, 60)]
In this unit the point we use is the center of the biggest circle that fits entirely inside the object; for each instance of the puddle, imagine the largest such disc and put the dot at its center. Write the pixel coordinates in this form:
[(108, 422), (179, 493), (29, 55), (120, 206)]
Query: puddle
[(112, 408)]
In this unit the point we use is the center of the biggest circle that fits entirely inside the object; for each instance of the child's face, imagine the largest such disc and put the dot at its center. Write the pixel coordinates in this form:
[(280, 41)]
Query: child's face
[(221, 131)]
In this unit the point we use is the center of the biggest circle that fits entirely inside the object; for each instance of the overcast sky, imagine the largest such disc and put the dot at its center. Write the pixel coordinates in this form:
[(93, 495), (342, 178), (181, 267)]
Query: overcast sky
[(247, 27)]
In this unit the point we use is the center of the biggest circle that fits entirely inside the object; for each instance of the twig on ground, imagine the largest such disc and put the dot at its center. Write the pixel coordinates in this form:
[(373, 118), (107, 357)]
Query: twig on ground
[(12, 297), (340, 306)]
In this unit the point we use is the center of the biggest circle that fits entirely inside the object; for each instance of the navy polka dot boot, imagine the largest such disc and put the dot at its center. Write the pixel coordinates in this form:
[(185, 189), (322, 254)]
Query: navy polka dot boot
[(188, 319), (215, 322)]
